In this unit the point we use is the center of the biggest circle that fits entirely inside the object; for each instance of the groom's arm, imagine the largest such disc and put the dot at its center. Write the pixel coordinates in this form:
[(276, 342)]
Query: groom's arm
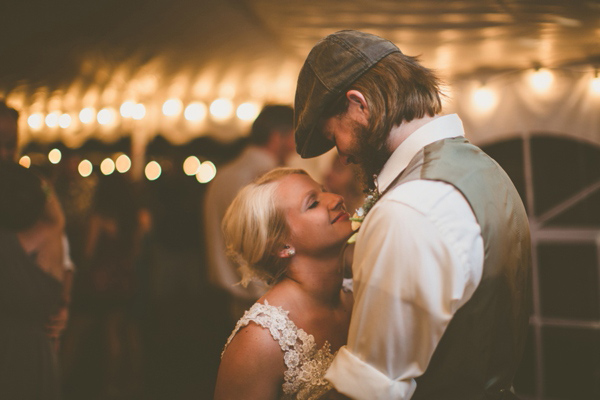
[(408, 282)]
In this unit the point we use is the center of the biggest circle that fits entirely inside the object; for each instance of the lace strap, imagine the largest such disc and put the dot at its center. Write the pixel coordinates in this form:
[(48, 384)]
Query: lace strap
[(274, 319)]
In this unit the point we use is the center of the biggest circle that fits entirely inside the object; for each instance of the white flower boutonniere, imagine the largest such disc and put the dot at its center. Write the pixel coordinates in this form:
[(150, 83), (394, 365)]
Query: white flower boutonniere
[(360, 214)]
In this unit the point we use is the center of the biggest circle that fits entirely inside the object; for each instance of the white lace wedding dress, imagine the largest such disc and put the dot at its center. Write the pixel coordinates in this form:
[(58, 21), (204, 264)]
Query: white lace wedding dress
[(306, 365)]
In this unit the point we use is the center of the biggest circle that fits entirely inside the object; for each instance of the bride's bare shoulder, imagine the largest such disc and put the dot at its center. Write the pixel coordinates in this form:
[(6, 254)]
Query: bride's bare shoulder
[(252, 365)]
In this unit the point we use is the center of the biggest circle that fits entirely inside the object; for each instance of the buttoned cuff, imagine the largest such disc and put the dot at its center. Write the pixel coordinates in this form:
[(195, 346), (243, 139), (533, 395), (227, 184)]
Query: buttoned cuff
[(360, 381)]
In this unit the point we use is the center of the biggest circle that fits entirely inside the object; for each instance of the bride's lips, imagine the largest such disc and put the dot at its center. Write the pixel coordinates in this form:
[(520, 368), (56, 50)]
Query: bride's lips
[(342, 215)]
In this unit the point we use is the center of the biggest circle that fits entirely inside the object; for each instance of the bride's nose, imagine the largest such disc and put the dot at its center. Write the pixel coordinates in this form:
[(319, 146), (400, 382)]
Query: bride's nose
[(336, 201)]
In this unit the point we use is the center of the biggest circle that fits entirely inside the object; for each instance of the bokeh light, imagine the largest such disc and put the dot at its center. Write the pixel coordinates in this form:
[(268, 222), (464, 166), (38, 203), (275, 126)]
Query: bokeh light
[(247, 111), (54, 156), (541, 79), (106, 116), (107, 166), (595, 85), (123, 163), (172, 107), (139, 111), (484, 99), (86, 115), (52, 119), (153, 171), (35, 121), (191, 165), (64, 121), (85, 168), (207, 172), (221, 109), (127, 109), (25, 161), (195, 111)]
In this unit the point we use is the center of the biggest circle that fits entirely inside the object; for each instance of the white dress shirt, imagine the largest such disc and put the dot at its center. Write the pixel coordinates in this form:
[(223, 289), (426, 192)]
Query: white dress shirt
[(418, 259)]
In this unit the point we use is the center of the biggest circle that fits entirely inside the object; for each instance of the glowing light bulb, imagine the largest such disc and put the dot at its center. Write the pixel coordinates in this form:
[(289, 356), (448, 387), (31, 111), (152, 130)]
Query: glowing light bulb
[(153, 171), (221, 109), (123, 163), (247, 111), (86, 115), (54, 156), (195, 111), (541, 80), (191, 165), (139, 111), (127, 109), (172, 107), (25, 161), (107, 166), (484, 99), (64, 121), (106, 116), (85, 168), (35, 121), (52, 119), (595, 85), (207, 172)]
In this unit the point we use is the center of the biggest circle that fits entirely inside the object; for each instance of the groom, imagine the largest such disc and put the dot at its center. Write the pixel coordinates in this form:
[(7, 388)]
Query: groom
[(442, 260)]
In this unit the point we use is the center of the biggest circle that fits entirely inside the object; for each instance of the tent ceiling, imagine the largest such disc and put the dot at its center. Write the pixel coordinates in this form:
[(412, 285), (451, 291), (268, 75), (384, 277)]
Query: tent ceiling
[(48, 42)]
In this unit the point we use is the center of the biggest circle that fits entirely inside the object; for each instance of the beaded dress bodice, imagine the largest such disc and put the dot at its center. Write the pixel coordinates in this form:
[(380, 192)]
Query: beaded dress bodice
[(306, 365)]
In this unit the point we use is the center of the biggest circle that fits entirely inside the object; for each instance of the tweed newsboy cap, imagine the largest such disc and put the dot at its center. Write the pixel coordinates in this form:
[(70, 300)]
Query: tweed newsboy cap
[(332, 65)]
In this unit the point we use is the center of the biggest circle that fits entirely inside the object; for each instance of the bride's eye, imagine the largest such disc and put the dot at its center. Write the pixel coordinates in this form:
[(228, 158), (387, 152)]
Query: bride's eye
[(313, 204)]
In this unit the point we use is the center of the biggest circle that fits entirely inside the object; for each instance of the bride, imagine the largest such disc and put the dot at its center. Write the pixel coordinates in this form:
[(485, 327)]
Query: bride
[(285, 230)]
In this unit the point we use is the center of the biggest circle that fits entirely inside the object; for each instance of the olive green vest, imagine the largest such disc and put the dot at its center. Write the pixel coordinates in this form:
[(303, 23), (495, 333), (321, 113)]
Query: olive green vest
[(480, 350)]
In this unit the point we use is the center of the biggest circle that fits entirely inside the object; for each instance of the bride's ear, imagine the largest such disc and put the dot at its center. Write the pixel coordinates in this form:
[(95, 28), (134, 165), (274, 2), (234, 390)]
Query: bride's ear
[(286, 252)]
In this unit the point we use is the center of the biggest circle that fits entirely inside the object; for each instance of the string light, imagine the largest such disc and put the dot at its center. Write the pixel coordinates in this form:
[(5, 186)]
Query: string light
[(64, 121), (191, 165), (541, 79), (86, 115), (127, 109), (25, 161), (107, 166), (152, 171), (484, 99), (595, 83), (54, 156), (123, 163), (106, 116), (85, 168), (247, 111), (52, 119), (172, 107), (221, 109), (139, 111), (35, 121), (195, 111), (207, 172)]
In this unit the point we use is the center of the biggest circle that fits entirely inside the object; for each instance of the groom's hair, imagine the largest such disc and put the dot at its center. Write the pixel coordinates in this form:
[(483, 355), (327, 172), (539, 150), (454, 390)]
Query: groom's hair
[(397, 89)]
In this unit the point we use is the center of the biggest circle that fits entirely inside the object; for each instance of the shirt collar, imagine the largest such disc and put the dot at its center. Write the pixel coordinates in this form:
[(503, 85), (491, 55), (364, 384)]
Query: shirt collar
[(446, 126)]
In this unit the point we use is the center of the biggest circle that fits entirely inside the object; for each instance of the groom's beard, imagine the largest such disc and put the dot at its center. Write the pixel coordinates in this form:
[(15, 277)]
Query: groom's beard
[(368, 156)]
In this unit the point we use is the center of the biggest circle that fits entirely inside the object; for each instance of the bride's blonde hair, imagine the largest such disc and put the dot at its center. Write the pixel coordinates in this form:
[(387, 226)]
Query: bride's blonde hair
[(255, 229)]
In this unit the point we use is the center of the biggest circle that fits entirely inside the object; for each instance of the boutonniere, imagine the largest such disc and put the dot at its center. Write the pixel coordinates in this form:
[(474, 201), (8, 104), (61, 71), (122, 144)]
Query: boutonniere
[(359, 216)]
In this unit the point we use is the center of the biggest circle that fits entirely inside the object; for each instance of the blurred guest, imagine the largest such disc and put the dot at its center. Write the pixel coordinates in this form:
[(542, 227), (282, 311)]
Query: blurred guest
[(8, 153), (271, 142), (112, 246), (31, 289)]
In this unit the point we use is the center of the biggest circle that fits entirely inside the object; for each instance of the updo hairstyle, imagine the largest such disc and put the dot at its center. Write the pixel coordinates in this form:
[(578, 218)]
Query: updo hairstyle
[(255, 229)]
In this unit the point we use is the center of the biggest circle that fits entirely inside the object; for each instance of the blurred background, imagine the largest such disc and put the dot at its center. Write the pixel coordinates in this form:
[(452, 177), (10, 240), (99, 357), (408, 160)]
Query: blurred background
[(131, 107)]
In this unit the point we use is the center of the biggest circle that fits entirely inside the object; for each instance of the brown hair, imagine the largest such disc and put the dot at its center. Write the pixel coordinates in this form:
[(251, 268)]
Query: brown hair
[(398, 88), (255, 228)]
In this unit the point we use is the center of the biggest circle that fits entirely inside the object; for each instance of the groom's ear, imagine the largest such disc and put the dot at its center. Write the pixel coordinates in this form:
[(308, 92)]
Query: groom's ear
[(358, 107)]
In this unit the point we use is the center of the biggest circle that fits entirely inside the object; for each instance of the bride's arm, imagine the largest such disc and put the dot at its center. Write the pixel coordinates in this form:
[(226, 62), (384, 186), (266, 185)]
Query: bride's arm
[(252, 367)]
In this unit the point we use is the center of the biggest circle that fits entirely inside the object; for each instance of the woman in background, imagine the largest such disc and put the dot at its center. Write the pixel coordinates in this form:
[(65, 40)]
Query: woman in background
[(287, 231)]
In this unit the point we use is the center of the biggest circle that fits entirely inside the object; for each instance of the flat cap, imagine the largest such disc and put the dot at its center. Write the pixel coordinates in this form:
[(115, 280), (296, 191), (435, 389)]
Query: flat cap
[(332, 65)]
